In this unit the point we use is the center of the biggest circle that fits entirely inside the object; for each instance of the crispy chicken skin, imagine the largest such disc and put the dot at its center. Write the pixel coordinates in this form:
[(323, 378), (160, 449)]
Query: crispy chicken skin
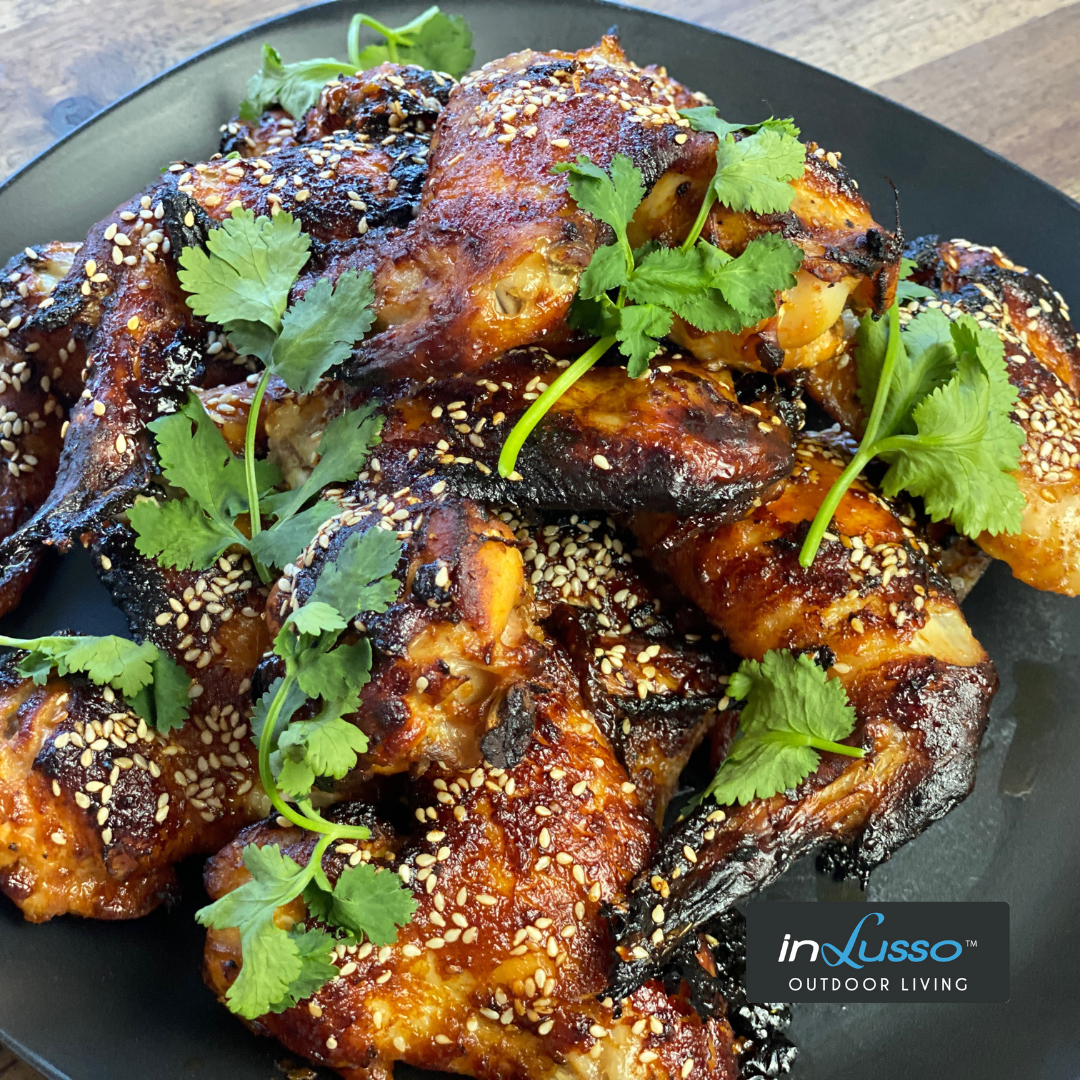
[(1042, 350), (677, 439), (497, 974), (873, 609), (493, 258), (848, 259), (95, 807)]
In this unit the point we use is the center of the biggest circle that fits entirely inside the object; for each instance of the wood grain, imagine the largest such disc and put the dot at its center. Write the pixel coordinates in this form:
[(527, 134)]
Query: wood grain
[(1003, 72)]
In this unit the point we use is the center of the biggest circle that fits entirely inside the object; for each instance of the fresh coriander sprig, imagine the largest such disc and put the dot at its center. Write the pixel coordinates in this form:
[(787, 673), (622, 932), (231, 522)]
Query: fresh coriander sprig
[(432, 40), (698, 282), (940, 402), (793, 712), (242, 283), (154, 685), (280, 968), (753, 173)]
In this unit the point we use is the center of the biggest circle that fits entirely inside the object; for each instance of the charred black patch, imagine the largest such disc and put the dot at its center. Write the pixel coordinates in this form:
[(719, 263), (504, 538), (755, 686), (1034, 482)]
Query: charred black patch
[(505, 744)]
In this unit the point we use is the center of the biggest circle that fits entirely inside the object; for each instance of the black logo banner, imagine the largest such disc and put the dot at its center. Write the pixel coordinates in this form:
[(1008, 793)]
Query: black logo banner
[(877, 952)]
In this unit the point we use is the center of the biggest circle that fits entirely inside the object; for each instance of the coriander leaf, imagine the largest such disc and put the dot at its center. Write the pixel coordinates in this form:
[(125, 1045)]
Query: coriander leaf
[(252, 339), (251, 266), (606, 270), (599, 317), (371, 902), (294, 777), (609, 198), (271, 957), (295, 87), (326, 745), (432, 40), (753, 173), (336, 674), (178, 532), (319, 330), (706, 118), (201, 463), (668, 277), (167, 696), (313, 948), (122, 664), (960, 458), (313, 618), (750, 282), (792, 711), (343, 453), (359, 579), (927, 359), (285, 540), (640, 328)]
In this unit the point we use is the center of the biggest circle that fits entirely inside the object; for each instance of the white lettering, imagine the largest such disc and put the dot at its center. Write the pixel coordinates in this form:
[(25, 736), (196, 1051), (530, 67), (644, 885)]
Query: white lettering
[(796, 945), (794, 985)]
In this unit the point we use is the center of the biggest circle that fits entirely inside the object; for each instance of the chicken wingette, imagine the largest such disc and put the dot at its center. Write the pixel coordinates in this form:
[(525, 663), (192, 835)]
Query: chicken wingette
[(873, 610), (501, 969)]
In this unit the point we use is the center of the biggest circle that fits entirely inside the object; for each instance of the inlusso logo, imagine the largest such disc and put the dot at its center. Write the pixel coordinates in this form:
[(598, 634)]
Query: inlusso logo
[(887, 952), (854, 952)]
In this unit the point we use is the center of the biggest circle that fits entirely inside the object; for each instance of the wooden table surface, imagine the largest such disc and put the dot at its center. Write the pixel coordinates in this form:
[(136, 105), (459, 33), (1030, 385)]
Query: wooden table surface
[(1004, 72)]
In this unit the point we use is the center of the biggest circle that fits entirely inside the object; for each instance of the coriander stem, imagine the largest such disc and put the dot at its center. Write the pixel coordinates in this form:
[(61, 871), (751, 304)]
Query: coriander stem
[(249, 454), (867, 448), (702, 217), (537, 410), (836, 748), (313, 823)]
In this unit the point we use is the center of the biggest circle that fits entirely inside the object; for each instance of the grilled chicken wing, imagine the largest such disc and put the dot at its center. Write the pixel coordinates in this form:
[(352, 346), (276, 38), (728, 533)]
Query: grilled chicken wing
[(497, 974), (849, 260), (95, 807), (493, 258), (1042, 350), (873, 610)]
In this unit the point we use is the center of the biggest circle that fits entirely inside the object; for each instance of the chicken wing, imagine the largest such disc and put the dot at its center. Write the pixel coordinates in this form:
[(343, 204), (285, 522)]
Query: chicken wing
[(497, 974), (849, 261), (873, 610), (493, 258), (95, 806)]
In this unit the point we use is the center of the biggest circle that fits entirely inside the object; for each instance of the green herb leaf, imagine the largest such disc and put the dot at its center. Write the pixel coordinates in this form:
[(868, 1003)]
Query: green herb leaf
[(334, 674), (314, 617), (343, 452), (640, 329), (612, 196), (793, 710), (706, 118), (360, 578), (275, 968), (294, 698), (167, 696), (178, 532), (326, 745), (910, 290), (606, 270), (432, 40), (371, 902), (750, 282), (295, 87), (251, 266), (319, 330), (283, 541), (114, 661)]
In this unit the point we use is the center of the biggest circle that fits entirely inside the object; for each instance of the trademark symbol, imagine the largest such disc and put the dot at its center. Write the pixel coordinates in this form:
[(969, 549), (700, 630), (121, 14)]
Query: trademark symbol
[(971, 944)]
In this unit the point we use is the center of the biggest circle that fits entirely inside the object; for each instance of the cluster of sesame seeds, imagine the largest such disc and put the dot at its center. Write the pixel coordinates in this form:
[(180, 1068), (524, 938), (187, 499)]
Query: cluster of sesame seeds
[(224, 736), (513, 107), (207, 603), (97, 742), (138, 234)]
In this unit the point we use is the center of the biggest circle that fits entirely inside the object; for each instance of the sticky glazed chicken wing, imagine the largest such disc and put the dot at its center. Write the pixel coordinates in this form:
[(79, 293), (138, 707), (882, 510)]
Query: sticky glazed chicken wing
[(873, 610), (494, 256), (95, 806), (850, 261), (499, 971)]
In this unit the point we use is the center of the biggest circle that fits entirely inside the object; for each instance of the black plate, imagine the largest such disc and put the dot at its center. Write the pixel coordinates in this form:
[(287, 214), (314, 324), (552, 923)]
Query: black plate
[(100, 1001)]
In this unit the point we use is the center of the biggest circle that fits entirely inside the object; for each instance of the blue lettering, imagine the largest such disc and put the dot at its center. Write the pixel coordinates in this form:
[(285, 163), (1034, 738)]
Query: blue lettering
[(918, 950), (898, 951), (845, 956), (945, 959), (872, 959)]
